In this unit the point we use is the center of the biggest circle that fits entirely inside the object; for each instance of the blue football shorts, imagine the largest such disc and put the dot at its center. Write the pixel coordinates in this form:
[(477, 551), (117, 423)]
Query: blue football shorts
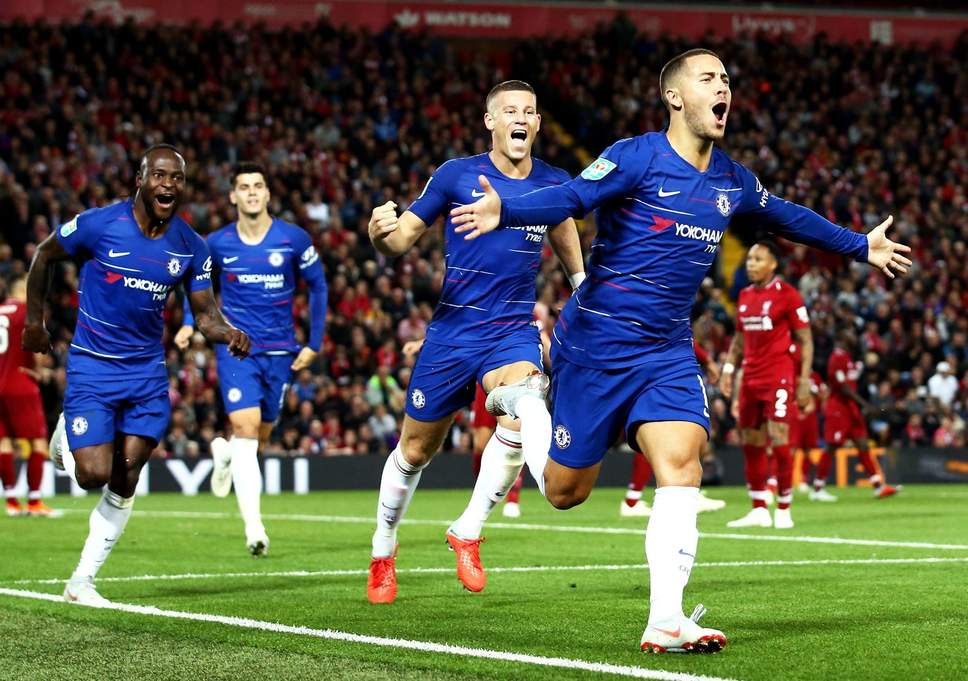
[(256, 381), (445, 376), (592, 407)]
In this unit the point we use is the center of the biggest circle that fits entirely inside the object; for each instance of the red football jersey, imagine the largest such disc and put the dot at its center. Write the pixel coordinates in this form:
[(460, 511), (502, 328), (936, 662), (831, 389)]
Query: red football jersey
[(767, 317), (12, 380), (842, 370)]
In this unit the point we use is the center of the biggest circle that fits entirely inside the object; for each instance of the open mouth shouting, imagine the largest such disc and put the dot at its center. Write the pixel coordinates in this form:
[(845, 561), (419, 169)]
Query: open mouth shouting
[(164, 202), (720, 112)]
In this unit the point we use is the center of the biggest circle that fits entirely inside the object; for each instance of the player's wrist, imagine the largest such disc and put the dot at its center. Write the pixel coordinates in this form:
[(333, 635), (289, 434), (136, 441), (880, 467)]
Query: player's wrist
[(576, 279)]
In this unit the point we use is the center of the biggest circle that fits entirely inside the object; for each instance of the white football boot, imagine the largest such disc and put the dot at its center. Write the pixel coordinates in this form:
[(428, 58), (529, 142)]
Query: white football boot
[(257, 541), (822, 495), (758, 517), (502, 400), (686, 637), (221, 481), (782, 519), (706, 504), (82, 592), (640, 510)]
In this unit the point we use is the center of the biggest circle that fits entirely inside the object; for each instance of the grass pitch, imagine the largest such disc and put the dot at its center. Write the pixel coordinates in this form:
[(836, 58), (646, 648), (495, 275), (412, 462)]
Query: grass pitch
[(878, 595)]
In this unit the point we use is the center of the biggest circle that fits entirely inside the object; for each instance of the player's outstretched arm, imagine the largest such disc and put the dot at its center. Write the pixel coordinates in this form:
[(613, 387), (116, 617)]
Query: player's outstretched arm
[(36, 338), (566, 244), (214, 326), (393, 235)]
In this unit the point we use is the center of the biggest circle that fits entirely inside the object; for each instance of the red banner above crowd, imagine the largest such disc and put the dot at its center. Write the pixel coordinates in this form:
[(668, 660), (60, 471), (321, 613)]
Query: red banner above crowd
[(512, 21)]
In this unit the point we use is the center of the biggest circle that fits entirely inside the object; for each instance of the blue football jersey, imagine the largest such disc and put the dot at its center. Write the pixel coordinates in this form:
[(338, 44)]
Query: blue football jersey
[(258, 282), (124, 284), (660, 221), (489, 283)]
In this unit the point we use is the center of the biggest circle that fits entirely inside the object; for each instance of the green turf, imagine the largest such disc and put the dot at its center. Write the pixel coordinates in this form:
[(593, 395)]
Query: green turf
[(817, 621)]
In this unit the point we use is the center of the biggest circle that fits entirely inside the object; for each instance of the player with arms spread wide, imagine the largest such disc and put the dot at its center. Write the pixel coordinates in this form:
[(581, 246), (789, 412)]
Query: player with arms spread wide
[(622, 348), (259, 259), (482, 331), (771, 322), (116, 405)]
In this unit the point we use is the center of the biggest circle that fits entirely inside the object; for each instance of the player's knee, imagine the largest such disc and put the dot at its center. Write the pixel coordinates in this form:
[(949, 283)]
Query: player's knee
[(417, 454), (565, 499), (91, 474)]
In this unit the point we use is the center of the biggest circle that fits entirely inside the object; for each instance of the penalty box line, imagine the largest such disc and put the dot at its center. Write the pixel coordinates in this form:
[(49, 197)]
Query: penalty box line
[(384, 642), (578, 529), (508, 569)]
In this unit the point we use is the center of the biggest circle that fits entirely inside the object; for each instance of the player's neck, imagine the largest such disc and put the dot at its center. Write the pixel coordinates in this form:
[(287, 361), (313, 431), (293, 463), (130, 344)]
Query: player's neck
[(516, 170), (765, 282), (150, 228), (252, 230), (694, 150)]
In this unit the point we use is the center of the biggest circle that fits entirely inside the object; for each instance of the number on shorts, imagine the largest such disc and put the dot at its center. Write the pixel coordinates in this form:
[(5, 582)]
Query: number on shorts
[(705, 399), (4, 334), (780, 408)]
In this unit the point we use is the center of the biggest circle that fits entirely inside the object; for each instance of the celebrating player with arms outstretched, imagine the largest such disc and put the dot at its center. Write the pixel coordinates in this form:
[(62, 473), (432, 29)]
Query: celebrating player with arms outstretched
[(770, 323), (623, 345), (116, 405), (260, 258), (482, 331)]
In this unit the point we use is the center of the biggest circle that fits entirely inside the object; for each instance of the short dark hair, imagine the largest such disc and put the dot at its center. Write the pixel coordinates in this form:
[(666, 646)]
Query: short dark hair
[(158, 147), (506, 86), (245, 167), (675, 65), (771, 246)]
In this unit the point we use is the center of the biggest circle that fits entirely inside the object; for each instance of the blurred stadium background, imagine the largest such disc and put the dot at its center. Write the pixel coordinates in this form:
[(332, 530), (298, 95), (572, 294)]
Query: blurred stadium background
[(856, 113)]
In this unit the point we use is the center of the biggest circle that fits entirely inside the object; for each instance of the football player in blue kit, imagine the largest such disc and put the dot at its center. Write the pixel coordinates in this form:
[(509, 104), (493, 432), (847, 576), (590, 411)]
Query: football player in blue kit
[(260, 260), (482, 331), (622, 354), (116, 405)]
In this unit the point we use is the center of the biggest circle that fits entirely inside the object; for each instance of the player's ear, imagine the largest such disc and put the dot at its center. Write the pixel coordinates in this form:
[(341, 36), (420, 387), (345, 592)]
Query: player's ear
[(232, 198), (489, 121), (673, 99), (538, 117)]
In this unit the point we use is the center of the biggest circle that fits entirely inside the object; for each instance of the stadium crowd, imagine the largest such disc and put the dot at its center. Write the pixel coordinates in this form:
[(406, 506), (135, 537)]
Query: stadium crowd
[(345, 120)]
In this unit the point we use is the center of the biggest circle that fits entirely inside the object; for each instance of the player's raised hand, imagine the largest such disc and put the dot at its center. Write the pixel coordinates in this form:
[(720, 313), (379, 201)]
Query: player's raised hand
[(239, 343), (183, 337), (480, 217), (885, 254), (305, 357), (383, 221), (35, 339)]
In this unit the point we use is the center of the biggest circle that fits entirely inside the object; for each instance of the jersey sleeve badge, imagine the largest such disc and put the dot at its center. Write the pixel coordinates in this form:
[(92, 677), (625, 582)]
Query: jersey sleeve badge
[(599, 168)]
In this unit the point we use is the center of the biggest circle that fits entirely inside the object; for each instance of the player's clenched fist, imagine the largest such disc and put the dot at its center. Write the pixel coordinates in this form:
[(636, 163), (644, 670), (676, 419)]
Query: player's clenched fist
[(35, 338), (383, 221), (239, 343)]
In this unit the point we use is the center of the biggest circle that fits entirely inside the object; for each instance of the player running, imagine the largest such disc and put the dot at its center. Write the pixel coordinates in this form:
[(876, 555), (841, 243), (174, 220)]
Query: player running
[(623, 345), (772, 327), (116, 404), (844, 414), (21, 407), (260, 259), (481, 332)]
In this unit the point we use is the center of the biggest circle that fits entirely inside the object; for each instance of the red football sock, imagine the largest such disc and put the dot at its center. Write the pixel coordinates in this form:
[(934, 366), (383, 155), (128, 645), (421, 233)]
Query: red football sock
[(805, 465), (867, 461), (641, 474), (476, 462), (514, 494), (35, 473), (8, 474), (823, 470), (784, 475), (756, 473)]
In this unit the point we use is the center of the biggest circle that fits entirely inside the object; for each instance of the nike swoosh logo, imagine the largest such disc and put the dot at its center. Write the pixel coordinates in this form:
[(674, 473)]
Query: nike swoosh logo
[(230, 260), (117, 254), (687, 554), (669, 632), (476, 194), (663, 193)]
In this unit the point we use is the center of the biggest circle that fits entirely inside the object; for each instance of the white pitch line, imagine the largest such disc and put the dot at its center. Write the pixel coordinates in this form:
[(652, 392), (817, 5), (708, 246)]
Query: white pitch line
[(422, 646), (507, 569), (580, 529)]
